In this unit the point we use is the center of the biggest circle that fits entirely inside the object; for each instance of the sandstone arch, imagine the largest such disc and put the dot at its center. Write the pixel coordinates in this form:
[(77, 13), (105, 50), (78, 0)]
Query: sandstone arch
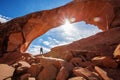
[(17, 34)]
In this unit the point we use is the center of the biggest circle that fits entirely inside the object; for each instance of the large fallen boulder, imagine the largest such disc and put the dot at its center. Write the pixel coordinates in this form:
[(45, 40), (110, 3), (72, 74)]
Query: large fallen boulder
[(102, 73), (14, 57), (35, 69), (55, 66), (85, 73), (48, 73), (104, 61), (6, 71), (63, 74), (25, 77)]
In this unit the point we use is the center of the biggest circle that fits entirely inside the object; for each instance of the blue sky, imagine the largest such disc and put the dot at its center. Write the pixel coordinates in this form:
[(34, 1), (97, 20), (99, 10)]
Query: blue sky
[(16, 8), (61, 35)]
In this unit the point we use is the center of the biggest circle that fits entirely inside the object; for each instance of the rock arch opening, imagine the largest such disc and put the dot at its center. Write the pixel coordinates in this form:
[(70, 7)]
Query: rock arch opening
[(64, 34)]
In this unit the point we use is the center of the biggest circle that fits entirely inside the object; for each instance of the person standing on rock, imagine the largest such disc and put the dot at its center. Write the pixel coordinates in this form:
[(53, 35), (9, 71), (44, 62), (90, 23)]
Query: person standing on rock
[(41, 50)]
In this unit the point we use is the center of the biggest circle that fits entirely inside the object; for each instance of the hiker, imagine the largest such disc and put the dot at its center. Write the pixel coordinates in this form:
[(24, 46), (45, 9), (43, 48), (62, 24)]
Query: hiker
[(41, 50)]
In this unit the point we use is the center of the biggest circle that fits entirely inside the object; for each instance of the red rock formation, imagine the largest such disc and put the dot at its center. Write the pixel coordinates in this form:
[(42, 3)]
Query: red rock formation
[(117, 52), (105, 61), (102, 43), (17, 34), (83, 72), (103, 13), (6, 71)]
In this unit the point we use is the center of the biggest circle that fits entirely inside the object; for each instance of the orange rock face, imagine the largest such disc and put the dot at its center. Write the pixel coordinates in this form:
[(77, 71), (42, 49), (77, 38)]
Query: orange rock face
[(103, 13), (102, 43)]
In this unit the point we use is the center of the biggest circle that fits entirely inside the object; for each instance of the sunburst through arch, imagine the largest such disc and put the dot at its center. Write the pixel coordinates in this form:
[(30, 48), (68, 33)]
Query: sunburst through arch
[(64, 34)]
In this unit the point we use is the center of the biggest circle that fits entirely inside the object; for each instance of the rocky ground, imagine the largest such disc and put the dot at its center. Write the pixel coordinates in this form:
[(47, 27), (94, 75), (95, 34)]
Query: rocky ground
[(78, 65)]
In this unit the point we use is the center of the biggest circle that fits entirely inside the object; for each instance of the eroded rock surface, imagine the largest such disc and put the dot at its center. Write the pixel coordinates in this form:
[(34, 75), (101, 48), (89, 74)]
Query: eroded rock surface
[(17, 34), (6, 71), (117, 52), (103, 43)]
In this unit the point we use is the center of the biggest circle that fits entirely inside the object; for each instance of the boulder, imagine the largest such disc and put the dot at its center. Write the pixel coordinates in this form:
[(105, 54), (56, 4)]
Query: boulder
[(102, 73), (25, 77), (63, 74), (58, 63), (117, 52), (113, 73), (6, 71), (85, 54), (105, 61), (83, 72), (31, 78), (77, 78), (35, 69), (24, 64), (28, 58), (21, 67), (48, 73), (18, 56), (8, 79), (11, 58), (53, 65), (76, 61), (68, 56)]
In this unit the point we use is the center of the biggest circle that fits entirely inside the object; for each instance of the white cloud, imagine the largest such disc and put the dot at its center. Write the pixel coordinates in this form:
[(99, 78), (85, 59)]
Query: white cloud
[(4, 19), (51, 42), (46, 43)]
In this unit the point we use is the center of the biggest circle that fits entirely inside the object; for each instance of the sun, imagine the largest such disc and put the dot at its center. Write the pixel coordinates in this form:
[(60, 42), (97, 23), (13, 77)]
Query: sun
[(67, 27), (67, 23)]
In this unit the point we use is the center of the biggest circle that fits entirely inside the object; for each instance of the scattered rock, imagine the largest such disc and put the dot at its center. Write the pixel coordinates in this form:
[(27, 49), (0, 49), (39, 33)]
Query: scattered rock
[(77, 78), (49, 72), (76, 61), (102, 73), (6, 71), (21, 67), (24, 64), (63, 74), (83, 72), (58, 63), (35, 69), (68, 56), (8, 79), (113, 73), (104, 61), (31, 78), (117, 52), (25, 77)]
